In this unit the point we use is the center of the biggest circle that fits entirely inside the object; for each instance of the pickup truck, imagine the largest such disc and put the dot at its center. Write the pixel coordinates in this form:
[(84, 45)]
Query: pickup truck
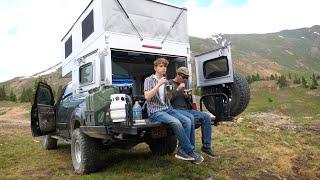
[(110, 50)]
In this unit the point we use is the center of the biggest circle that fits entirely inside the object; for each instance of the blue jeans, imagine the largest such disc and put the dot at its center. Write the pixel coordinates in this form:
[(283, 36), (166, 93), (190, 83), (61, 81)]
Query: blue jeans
[(180, 124), (206, 129), (192, 133)]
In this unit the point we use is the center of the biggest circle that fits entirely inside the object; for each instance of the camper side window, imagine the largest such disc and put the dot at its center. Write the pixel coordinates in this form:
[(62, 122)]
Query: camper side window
[(86, 73), (87, 26), (68, 47)]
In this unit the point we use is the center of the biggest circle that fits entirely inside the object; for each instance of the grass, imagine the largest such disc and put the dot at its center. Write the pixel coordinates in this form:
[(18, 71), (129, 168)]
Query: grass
[(10, 104), (249, 149)]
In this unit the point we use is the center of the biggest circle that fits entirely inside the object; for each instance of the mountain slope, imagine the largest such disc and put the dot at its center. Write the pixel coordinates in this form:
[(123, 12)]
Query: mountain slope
[(295, 51)]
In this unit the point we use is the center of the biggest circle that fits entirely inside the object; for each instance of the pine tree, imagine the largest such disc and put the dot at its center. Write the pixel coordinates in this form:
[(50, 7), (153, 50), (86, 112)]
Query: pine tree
[(23, 96), (296, 80), (289, 75), (304, 82), (312, 86), (314, 80), (12, 97), (258, 77), (272, 77), (58, 92), (3, 95), (249, 79), (282, 82), (29, 95), (314, 83)]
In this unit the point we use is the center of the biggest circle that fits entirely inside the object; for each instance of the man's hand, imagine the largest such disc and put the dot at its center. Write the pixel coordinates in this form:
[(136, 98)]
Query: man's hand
[(151, 93), (181, 86), (187, 93), (163, 80)]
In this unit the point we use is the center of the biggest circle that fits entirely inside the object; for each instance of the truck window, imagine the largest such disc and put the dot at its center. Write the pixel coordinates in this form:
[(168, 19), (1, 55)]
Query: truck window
[(44, 96), (86, 73), (68, 91), (216, 68)]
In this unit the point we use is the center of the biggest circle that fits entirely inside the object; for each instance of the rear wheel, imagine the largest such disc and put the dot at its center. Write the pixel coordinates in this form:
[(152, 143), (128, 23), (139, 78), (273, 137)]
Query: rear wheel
[(49, 143), (238, 93), (85, 153), (163, 146)]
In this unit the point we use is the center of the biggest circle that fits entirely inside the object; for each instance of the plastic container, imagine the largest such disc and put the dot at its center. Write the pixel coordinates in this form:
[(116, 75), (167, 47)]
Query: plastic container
[(137, 111)]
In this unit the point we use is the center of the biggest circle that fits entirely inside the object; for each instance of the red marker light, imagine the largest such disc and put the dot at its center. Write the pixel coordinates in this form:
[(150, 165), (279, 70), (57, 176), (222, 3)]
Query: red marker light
[(151, 46)]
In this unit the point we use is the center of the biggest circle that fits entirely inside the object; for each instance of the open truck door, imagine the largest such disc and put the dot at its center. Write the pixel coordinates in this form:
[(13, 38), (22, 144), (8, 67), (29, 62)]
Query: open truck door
[(43, 120), (224, 92)]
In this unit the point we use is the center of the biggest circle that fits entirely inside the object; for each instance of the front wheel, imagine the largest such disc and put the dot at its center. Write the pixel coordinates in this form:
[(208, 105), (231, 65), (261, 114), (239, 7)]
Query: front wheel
[(85, 153)]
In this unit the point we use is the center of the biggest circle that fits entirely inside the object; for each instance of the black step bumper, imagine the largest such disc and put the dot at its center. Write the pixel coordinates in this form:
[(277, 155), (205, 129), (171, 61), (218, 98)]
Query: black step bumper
[(103, 132)]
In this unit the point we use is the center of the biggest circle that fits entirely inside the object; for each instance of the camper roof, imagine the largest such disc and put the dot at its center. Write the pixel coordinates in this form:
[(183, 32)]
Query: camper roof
[(159, 2)]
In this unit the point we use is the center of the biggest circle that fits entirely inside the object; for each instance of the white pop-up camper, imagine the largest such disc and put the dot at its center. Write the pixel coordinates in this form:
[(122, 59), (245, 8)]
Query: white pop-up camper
[(110, 33)]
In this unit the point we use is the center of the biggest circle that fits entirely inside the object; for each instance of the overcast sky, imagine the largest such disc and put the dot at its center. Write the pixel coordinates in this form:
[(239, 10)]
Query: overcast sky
[(31, 30)]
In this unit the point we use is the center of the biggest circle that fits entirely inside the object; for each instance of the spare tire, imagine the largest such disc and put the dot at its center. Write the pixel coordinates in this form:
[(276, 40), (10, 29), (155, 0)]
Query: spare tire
[(238, 93)]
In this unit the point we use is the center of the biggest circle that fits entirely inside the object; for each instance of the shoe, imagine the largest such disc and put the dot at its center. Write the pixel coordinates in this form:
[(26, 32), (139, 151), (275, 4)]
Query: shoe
[(183, 156), (197, 158), (208, 152)]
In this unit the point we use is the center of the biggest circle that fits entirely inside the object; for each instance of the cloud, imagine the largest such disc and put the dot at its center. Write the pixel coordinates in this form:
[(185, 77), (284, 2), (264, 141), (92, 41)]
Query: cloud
[(30, 34), (252, 16)]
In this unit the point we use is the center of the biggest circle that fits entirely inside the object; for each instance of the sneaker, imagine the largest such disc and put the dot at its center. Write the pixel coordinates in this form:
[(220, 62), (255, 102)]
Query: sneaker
[(197, 158), (183, 155), (208, 152)]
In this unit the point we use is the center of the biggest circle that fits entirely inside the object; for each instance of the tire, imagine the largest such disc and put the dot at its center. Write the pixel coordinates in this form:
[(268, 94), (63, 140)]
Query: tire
[(238, 93), (163, 146), (49, 143), (85, 153)]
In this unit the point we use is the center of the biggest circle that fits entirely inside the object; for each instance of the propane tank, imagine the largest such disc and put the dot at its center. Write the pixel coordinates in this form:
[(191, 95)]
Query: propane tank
[(118, 108)]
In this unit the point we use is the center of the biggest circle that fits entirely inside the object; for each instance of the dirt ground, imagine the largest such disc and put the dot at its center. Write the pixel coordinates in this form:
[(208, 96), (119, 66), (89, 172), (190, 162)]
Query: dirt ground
[(14, 120)]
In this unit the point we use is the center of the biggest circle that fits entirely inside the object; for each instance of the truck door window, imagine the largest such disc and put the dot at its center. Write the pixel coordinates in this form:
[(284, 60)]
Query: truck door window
[(67, 92), (216, 68), (86, 74), (44, 96)]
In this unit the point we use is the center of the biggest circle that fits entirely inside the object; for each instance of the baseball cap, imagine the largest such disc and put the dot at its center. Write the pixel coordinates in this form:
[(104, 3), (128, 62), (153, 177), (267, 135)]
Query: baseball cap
[(183, 70)]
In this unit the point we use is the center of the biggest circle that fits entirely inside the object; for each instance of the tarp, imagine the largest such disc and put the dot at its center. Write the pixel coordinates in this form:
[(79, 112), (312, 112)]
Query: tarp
[(152, 19)]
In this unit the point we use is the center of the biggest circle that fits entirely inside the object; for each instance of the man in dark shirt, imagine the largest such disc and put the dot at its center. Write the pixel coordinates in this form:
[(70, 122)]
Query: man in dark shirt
[(180, 101)]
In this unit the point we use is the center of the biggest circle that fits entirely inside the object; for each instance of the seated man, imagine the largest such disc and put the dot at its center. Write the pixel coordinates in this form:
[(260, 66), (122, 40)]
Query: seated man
[(160, 109), (180, 101)]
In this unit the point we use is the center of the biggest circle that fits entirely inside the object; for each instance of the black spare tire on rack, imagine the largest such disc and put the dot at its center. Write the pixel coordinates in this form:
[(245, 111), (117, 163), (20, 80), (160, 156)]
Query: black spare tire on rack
[(238, 93)]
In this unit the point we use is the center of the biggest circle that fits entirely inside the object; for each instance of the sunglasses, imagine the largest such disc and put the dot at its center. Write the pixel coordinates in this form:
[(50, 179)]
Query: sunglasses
[(183, 76)]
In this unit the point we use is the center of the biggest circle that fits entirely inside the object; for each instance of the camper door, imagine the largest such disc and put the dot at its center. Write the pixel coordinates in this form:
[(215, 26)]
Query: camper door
[(87, 73), (214, 67)]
